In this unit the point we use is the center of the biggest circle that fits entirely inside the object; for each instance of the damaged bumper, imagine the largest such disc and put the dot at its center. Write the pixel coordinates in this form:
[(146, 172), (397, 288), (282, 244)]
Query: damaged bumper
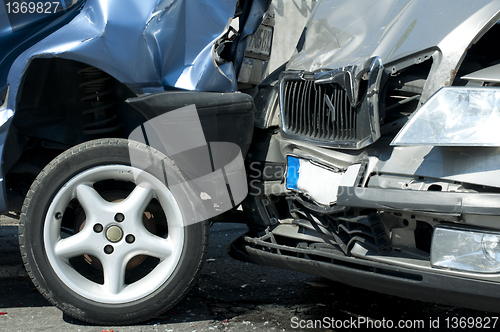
[(381, 277)]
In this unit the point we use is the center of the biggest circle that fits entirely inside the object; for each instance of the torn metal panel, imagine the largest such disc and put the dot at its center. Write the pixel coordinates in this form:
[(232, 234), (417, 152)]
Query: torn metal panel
[(180, 40), (342, 33)]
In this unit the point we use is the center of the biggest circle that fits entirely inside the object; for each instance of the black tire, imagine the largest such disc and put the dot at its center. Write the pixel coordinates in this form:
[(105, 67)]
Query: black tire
[(98, 157)]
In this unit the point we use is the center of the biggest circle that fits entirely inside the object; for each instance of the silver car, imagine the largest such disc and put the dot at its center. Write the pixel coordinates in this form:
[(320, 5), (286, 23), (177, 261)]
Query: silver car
[(378, 153)]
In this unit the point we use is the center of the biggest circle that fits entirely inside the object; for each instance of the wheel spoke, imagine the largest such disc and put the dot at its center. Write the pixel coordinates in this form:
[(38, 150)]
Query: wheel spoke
[(114, 273), (139, 198), (75, 245), (153, 245), (114, 233), (91, 200)]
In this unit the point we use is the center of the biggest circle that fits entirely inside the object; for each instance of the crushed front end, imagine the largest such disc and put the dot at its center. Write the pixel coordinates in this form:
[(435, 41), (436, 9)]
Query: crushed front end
[(376, 158)]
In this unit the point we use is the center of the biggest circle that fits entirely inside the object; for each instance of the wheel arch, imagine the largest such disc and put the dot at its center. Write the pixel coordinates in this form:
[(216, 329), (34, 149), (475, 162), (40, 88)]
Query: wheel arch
[(53, 112)]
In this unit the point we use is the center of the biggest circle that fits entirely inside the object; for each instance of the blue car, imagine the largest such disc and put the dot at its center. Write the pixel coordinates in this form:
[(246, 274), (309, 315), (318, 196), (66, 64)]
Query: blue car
[(99, 143)]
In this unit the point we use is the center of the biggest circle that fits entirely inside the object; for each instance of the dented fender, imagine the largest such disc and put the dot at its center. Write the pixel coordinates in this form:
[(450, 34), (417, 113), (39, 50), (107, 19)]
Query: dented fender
[(149, 46)]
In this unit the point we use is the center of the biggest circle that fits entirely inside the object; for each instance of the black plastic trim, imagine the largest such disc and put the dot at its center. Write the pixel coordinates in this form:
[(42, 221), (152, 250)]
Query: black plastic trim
[(224, 117)]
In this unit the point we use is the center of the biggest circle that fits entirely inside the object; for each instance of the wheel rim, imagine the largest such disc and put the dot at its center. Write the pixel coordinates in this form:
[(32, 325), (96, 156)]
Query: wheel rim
[(90, 241)]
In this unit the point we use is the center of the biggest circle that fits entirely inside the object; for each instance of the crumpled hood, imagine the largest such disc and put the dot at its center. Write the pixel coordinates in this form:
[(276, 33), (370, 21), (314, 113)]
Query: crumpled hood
[(150, 45), (348, 32)]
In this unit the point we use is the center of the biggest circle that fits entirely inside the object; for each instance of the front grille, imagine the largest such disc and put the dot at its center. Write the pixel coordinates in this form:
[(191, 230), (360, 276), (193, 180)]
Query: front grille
[(337, 108), (321, 112)]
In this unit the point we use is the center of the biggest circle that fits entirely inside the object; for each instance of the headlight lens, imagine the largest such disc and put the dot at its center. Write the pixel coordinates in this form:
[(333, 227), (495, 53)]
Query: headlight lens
[(466, 250), (491, 247), (455, 117)]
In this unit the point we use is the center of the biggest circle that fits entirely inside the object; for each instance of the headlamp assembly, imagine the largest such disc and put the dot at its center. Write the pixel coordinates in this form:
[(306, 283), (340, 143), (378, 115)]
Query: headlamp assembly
[(455, 116)]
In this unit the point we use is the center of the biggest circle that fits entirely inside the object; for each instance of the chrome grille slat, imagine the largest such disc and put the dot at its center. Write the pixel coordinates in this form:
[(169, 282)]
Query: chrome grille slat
[(323, 116), (302, 122), (349, 123), (298, 109), (338, 97), (310, 127), (341, 121), (287, 118), (287, 99), (317, 132), (295, 109)]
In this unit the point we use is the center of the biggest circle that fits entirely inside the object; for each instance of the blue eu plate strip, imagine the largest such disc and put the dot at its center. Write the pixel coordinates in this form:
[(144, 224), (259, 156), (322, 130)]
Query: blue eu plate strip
[(292, 174)]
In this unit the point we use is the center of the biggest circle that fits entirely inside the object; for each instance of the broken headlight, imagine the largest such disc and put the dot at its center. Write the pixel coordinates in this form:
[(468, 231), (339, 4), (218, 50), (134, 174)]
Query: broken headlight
[(458, 116), (466, 250)]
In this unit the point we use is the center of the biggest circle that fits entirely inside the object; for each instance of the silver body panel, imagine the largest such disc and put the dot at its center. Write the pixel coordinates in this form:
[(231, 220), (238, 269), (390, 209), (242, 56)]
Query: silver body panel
[(401, 33), (343, 33)]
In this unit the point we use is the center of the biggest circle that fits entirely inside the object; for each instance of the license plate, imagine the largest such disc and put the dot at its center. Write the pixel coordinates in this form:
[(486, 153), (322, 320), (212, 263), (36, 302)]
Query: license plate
[(318, 182), (259, 44)]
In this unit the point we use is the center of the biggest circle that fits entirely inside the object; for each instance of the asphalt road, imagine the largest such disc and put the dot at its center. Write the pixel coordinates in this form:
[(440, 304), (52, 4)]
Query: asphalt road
[(230, 296)]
